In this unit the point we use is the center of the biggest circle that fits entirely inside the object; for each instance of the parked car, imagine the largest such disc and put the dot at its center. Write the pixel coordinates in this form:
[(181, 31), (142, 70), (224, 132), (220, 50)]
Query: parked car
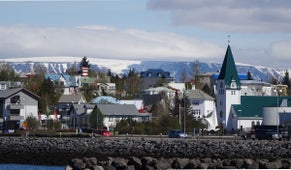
[(104, 133), (177, 134)]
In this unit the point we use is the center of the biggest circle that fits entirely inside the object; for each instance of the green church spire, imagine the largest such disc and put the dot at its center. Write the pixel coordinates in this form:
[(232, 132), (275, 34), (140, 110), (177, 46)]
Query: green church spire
[(228, 71)]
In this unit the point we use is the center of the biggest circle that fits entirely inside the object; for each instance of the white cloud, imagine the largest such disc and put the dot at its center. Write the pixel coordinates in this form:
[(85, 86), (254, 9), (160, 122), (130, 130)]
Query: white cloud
[(102, 42), (229, 15)]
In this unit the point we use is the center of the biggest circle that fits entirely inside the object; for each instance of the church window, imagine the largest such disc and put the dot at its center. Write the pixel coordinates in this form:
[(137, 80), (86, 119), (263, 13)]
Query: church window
[(253, 123), (232, 92), (258, 122), (221, 114)]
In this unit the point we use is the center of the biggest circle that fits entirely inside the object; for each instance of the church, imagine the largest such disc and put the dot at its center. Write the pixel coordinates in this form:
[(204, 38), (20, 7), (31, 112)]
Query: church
[(239, 109)]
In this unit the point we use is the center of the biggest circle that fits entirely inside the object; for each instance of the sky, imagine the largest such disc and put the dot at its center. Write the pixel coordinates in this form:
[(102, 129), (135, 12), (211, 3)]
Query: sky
[(258, 31)]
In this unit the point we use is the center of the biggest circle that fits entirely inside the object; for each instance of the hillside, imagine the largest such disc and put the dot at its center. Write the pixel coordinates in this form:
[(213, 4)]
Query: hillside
[(61, 64)]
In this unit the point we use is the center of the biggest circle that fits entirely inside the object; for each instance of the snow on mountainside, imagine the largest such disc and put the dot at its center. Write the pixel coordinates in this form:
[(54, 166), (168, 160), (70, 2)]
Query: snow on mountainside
[(176, 69)]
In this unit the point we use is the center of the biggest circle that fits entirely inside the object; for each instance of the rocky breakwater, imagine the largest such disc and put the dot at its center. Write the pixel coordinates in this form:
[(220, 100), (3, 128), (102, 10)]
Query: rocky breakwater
[(79, 153)]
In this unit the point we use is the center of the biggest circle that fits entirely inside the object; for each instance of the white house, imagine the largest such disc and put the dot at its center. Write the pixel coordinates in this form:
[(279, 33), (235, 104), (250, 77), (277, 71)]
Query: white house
[(202, 107), (16, 105)]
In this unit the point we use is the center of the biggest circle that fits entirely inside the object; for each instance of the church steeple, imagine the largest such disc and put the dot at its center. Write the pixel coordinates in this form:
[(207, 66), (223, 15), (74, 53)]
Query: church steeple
[(228, 71)]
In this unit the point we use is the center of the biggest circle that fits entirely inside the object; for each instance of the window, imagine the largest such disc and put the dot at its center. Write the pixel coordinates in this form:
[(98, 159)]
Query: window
[(232, 92), (15, 99), (253, 123), (3, 86), (110, 118), (196, 113), (195, 102), (15, 112)]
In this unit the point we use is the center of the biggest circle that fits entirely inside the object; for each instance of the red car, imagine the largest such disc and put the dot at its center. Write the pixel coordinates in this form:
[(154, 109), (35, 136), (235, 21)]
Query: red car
[(104, 133)]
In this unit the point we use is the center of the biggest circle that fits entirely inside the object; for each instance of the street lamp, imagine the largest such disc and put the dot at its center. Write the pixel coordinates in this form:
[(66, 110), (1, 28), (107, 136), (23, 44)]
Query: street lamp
[(238, 120), (277, 108)]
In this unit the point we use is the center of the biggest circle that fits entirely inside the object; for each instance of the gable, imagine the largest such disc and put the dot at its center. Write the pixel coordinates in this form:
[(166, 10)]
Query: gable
[(4, 94)]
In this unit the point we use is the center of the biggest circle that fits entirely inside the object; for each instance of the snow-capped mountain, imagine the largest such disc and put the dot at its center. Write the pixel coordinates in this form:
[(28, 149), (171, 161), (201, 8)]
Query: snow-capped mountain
[(176, 69)]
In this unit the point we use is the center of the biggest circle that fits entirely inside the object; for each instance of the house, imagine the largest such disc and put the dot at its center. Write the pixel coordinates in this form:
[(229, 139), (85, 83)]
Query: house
[(108, 88), (65, 103), (113, 113), (78, 115), (167, 92), (150, 100), (151, 77), (202, 107), (16, 105), (67, 82)]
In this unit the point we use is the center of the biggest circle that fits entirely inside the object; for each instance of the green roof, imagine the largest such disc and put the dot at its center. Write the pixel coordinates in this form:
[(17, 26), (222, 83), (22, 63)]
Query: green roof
[(228, 71), (252, 106)]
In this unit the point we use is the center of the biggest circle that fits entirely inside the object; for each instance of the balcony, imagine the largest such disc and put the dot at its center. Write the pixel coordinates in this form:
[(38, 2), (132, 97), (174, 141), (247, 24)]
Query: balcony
[(15, 117), (16, 106)]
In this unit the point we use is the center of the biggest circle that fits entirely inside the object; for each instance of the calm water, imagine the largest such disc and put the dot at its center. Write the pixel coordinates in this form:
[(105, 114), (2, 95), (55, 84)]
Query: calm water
[(29, 167)]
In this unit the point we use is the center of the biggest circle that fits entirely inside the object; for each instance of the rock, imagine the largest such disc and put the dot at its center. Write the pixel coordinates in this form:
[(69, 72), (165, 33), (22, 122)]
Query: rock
[(250, 164), (78, 164), (274, 165), (136, 162)]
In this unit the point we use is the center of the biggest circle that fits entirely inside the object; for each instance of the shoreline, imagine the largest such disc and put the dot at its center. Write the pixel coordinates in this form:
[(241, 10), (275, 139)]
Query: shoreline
[(61, 151)]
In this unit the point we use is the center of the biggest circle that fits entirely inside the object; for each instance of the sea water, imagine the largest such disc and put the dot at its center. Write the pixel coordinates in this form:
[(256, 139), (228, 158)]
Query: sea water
[(29, 167)]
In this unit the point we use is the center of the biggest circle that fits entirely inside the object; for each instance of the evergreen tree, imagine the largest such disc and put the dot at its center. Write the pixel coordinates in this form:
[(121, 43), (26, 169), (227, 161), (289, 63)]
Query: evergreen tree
[(96, 116), (85, 62), (286, 79)]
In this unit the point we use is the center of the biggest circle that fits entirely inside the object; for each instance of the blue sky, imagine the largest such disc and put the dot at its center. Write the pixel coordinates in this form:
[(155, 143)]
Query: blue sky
[(175, 30)]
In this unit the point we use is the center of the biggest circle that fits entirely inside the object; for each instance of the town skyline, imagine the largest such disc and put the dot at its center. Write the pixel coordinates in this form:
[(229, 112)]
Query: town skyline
[(258, 31)]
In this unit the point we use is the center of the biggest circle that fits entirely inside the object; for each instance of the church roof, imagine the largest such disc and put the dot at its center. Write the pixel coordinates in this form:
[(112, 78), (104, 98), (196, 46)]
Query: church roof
[(228, 71), (252, 106)]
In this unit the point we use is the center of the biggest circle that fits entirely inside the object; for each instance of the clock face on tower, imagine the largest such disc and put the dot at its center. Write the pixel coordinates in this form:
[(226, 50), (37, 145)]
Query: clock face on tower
[(233, 84)]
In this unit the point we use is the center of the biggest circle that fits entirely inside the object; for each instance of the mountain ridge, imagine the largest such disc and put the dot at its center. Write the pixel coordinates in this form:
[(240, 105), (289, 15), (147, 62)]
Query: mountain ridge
[(60, 64)]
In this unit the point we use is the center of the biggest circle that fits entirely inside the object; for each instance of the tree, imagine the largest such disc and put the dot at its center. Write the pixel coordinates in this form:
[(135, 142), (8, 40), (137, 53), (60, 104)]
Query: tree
[(132, 84), (7, 73), (72, 71), (286, 79), (196, 70), (96, 116), (85, 62)]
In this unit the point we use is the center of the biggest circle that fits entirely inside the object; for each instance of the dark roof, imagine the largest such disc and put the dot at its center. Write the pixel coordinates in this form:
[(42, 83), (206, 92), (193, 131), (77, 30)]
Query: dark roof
[(10, 92), (81, 108), (152, 73), (151, 99), (228, 71), (118, 109), (252, 106)]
